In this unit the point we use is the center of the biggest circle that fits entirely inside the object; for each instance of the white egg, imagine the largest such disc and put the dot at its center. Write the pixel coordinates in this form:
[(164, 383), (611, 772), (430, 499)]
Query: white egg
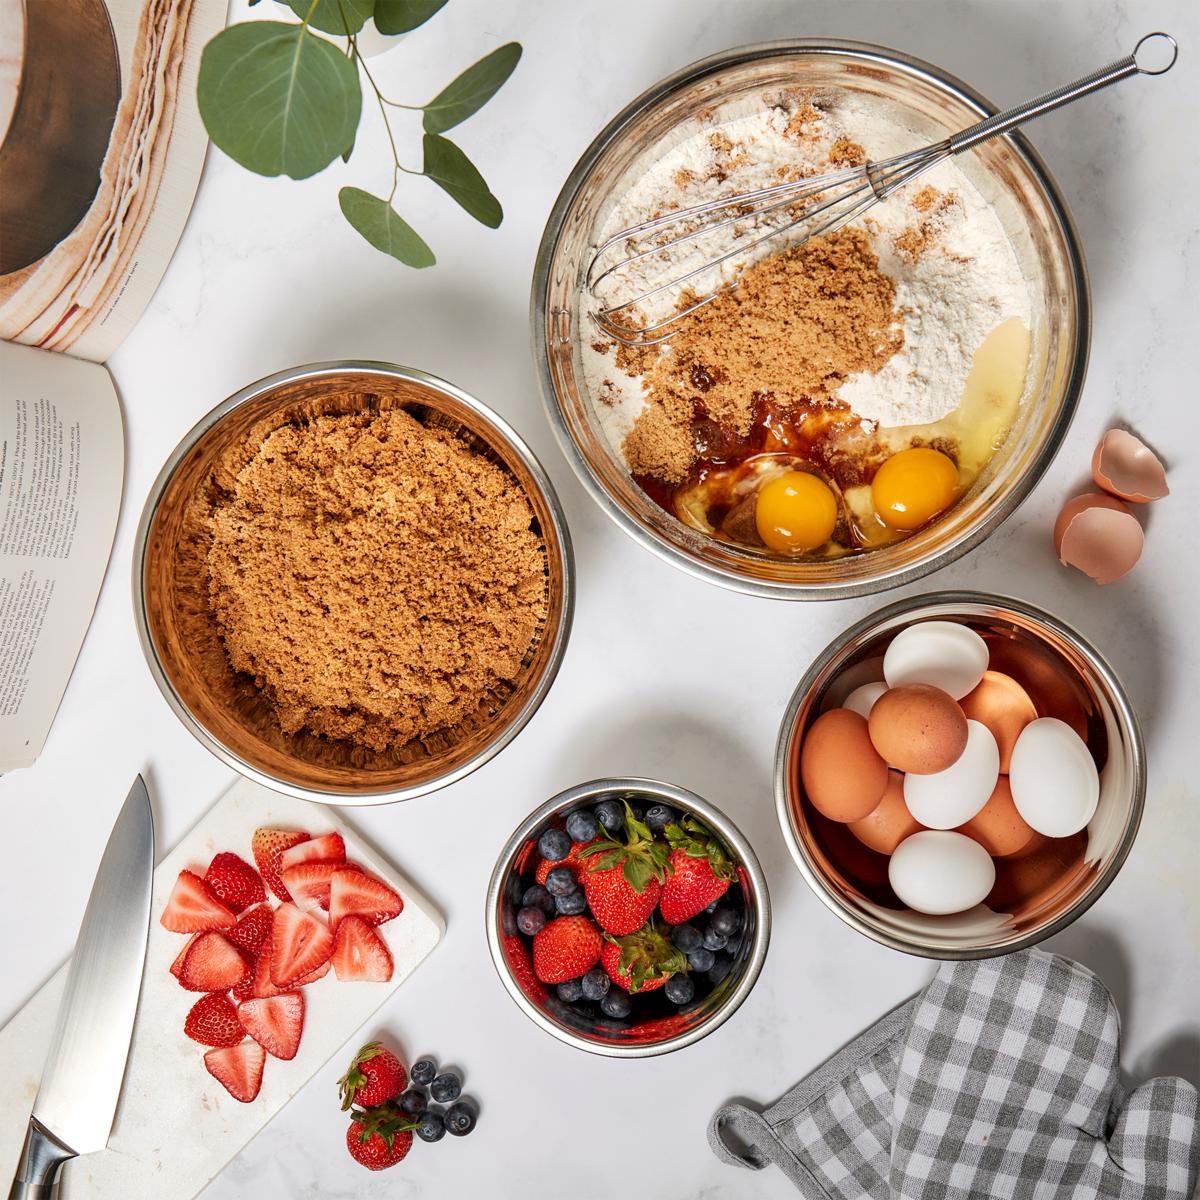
[(938, 872), (947, 799), (1055, 784), (863, 698), (942, 654)]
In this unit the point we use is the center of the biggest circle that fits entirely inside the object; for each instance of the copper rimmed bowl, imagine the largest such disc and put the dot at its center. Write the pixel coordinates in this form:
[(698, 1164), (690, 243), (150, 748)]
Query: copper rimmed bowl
[(581, 1027), (225, 710), (1037, 894)]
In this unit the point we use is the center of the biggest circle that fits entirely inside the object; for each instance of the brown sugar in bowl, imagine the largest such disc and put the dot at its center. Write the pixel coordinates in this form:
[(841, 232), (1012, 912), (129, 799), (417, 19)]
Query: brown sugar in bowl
[(225, 709)]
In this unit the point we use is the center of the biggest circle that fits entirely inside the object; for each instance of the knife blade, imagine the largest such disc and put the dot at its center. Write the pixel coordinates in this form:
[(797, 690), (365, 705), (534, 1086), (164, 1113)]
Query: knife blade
[(81, 1080)]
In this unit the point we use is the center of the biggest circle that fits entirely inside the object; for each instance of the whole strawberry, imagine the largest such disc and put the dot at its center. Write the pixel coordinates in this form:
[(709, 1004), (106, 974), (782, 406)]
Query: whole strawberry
[(379, 1138), (622, 880), (565, 949), (700, 871), (642, 961), (375, 1076)]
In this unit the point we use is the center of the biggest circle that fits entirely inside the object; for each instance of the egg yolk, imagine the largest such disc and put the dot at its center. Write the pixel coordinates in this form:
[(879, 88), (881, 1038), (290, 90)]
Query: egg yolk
[(795, 511), (914, 486)]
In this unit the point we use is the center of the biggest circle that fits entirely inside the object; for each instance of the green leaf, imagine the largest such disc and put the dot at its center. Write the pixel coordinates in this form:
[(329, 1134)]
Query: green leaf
[(472, 89), (384, 228), (638, 872), (278, 99), (399, 16), (328, 16), (607, 861), (456, 175)]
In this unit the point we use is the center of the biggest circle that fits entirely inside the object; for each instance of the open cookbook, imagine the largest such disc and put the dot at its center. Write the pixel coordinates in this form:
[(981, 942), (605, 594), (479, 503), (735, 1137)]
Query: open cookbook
[(96, 182)]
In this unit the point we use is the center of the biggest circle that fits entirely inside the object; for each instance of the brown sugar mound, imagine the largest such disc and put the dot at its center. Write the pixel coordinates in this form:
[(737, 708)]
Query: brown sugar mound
[(798, 324), (376, 576)]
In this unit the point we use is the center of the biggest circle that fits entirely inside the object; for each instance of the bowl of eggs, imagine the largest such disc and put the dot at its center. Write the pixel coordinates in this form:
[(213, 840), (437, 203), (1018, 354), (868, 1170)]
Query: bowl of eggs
[(959, 775)]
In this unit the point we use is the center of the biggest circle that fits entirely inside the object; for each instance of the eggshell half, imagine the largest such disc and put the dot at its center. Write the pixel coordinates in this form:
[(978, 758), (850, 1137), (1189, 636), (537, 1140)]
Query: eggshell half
[(1004, 706), (1098, 535), (1127, 467)]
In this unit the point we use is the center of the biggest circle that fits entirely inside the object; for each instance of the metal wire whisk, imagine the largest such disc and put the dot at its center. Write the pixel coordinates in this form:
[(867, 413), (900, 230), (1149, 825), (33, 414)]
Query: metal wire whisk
[(827, 202)]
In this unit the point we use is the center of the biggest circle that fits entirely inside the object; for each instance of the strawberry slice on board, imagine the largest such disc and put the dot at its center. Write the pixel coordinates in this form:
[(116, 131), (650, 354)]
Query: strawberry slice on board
[(300, 943), (192, 907), (354, 893), (252, 929), (360, 954), (212, 964), (268, 844), (261, 985), (234, 882), (213, 1021), (313, 976), (329, 847), (309, 883), (274, 1022), (177, 965), (238, 1069)]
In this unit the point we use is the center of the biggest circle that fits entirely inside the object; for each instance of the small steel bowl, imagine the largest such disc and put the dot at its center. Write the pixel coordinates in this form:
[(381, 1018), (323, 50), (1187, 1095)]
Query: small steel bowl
[(619, 1039), (1037, 894), (225, 711)]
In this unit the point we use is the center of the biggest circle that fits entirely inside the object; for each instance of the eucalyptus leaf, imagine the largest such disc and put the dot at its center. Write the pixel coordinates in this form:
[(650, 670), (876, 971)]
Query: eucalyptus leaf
[(278, 99), (384, 228), (456, 175), (472, 89), (328, 16), (399, 16)]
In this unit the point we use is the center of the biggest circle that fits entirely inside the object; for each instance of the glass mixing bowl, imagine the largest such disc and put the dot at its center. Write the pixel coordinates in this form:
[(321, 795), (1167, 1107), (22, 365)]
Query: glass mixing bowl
[(1007, 172)]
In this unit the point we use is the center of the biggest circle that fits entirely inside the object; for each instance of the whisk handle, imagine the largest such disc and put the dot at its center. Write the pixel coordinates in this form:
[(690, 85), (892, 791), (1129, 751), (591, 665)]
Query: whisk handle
[(1011, 118)]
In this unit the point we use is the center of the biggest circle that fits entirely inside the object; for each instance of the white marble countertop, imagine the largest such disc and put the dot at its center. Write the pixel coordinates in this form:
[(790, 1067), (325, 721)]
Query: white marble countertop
[(665, 675)]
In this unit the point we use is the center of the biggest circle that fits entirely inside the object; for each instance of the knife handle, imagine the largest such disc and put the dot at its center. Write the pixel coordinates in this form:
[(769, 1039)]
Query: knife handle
[(37, 1171)]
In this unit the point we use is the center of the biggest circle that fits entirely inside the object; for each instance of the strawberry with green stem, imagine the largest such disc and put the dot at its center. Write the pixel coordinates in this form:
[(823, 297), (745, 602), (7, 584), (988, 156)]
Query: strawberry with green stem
[(375, 1075), (623, 880), (700, 871), (642, 961), (379, 1137)]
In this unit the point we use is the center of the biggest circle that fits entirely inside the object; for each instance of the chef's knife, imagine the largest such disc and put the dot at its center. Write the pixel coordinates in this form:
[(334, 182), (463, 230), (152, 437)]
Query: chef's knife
[(81, 1081)]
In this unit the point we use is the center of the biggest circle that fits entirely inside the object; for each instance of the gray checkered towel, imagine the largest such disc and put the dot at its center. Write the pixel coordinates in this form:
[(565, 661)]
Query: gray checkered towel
[(1000, 1079)]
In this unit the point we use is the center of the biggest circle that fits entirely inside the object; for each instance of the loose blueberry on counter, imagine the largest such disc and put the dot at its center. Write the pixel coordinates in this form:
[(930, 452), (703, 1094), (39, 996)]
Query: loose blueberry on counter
[(423, 1071), (554, 845), (561, 881), (596, 984), (679, 989), (726, 921), (460, 1119), (719, 969), (712, 939), (687, 938), (538, 897), (531, 921), (610, 815), (659, 816), (581, 826), (570, 990), (414, 1101), (616, 1005), (446, 1087), (701, 959), (570, 905), (432, 1128)]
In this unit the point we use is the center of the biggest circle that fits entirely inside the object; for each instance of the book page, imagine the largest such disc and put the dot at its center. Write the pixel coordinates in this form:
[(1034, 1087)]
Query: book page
[(62, 463)]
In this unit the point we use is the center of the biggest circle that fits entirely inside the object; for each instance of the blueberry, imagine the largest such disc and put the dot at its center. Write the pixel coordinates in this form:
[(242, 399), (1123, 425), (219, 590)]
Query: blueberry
[(432, 1128), (413, 1101), (596, 984), (616, 1005), (712, 908), (712, 939), (423, 1071), (638, 814), (460, 1119), (581, 825), (687, 938), (512, 889), (702, 959), (726, 921), (531, 921), (507, 921), (659, 816), (561, 881), (446, 1087), (610, 815), (554, 845), (720, 969), (679, 989), (538, 897), (570, 990), (570, 905)]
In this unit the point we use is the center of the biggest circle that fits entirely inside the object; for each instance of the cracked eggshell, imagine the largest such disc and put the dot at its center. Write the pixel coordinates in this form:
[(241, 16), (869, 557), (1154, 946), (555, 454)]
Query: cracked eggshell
[(1098, 535), (1125, 466)]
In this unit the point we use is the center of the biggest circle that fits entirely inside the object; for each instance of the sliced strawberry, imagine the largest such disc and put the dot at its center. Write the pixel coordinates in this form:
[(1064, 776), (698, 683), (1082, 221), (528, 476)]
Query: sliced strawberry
[(313, 976), (238, 1069), (329, 847), (246, 989), (309, 882), (359, 953), (268, 844), (234, 881), (213, 1021), (212, 964), (177, 965), (275, 1022), (354, 893), (300, 943), (252, 929), (193, 908), (262, 984)]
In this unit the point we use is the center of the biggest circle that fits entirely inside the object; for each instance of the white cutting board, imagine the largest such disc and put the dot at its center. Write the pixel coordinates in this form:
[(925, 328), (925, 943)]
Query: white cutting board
[(176, 1127)]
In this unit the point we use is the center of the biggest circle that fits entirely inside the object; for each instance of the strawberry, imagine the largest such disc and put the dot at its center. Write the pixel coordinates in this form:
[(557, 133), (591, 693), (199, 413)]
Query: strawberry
[(641, 961), (252, 929), (300, 943), (329, 847), (313, 976), (521, 967), (359, 953), (234, 881), (213, 1021), (260, 985), (375, 1076), (177, 965), (274, 1022), (268, 844), (355, 893), (545, 866), (238, 1069), (246, 990), (193, 908), (622, 881), (308, 882), (700, 871), (379, 1138), (212, 964), (565, 949)]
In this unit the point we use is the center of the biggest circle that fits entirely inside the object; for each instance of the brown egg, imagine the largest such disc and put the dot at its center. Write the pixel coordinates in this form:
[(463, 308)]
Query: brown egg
[(1047, 683), (1004, 706), (918, 729), (1026, 882), (840, 769), (997, 826), (1127, 467), (1098, 535), (889, 822)]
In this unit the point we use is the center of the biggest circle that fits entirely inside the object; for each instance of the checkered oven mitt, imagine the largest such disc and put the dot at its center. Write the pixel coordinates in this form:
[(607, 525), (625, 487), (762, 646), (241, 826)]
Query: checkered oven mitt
[(1000, 1079)]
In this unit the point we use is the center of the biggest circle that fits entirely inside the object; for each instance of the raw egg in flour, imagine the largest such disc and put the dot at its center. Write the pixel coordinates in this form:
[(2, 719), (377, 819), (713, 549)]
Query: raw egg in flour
[(795, 511), (912, 487)]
